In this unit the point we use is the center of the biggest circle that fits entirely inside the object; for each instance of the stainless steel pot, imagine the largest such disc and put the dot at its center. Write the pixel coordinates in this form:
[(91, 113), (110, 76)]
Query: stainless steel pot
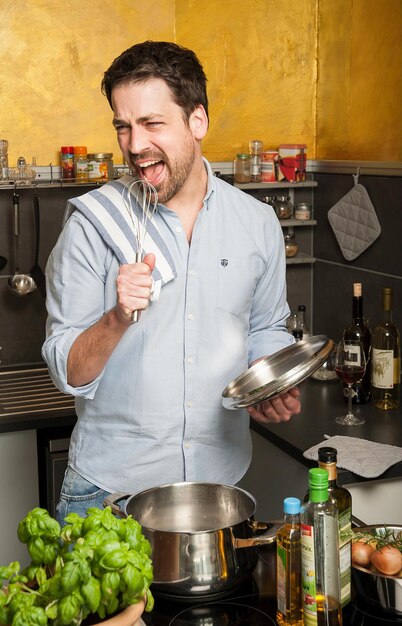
[(379, 590), (203, 535)]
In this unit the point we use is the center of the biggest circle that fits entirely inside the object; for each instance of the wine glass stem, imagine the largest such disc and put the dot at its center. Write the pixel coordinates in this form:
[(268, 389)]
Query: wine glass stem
[(350, 393)]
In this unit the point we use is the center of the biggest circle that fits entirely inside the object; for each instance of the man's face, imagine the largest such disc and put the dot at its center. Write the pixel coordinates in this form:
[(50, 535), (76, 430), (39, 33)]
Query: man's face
[(157, 143)]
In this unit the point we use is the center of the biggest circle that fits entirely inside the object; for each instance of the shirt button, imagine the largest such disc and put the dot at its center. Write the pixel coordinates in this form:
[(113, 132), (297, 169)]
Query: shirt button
[(190, 316), (187, 445), (190, 359), (191, 273), (178, 229), (189, 403)]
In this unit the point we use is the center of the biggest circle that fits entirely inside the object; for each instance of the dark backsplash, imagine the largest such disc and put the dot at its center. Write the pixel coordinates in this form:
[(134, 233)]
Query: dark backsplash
[(330, 279)]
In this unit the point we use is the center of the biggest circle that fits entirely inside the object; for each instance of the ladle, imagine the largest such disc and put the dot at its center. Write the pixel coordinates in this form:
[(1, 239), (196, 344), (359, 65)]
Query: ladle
[(21, 284)]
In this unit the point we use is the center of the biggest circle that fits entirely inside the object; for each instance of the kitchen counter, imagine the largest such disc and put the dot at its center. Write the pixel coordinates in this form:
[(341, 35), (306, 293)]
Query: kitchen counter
[(322, 402)]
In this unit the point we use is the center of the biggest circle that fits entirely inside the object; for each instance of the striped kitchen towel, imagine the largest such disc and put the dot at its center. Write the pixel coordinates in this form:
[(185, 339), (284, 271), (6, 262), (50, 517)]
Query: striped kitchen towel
[(108, 210)]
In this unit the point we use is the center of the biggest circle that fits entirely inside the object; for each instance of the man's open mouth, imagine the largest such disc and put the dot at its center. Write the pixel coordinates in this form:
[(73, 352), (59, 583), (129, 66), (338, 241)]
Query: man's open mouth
[(151, 170)]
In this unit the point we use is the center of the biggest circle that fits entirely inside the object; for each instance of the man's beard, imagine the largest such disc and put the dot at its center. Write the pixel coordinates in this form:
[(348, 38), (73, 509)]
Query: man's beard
[(177, 172)]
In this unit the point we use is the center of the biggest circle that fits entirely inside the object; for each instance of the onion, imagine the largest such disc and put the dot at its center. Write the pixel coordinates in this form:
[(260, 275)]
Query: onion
[(387, 560), (361, 553)]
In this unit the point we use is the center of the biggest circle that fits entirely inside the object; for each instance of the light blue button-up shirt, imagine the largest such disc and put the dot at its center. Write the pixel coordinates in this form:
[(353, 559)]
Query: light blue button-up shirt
[(154, 415)]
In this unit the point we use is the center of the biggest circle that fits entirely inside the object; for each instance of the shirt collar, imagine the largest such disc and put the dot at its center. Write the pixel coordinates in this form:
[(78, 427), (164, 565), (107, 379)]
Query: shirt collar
[(211, 183)]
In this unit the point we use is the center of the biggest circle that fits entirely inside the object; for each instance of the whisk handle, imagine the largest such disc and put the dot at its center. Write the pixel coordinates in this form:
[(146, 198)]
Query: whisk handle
[(135, 315)]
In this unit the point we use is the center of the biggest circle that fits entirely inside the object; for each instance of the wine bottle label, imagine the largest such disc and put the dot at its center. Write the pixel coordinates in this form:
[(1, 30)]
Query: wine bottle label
[(383, 366), (352, 356)]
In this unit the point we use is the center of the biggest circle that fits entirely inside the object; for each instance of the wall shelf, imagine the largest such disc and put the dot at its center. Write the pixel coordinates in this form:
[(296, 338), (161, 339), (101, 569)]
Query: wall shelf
[(293, 222), (299, 259), (277, 185)]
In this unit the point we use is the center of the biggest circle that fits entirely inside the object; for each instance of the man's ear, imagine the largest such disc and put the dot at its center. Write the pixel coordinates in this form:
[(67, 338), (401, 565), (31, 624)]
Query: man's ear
[(198, 122)]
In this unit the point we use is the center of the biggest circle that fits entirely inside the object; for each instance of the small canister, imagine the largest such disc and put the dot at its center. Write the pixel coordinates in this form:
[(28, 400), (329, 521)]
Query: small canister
[(302, 211), (291, 246), (3, 159), (242, 168), (67, 161), (81, 164), (100, 166), (269, 160)]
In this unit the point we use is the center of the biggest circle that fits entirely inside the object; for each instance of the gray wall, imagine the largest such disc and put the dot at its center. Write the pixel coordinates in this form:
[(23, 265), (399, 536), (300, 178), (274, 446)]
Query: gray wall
[(379, 266)]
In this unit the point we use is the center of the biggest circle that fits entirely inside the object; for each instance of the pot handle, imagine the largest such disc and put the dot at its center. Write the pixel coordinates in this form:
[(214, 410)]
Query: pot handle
[(267, 536), (112, 500)]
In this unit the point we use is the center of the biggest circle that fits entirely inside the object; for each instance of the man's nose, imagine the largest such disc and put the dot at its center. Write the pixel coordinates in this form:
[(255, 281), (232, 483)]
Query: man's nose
[(138, 140)]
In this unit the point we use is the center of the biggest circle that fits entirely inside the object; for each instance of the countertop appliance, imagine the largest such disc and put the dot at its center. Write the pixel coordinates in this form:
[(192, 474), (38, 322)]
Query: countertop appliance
[(251, 604)]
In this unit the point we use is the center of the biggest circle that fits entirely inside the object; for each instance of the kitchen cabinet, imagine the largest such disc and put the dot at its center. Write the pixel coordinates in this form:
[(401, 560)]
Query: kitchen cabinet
[(19, 491), (299, 275), (297, 192)]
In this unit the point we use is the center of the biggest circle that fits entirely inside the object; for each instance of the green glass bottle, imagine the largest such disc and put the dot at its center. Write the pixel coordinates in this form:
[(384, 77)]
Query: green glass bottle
[(320, 555)]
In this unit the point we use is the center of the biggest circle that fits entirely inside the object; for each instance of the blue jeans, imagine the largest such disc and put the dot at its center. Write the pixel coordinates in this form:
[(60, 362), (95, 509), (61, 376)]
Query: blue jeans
[(77, 495)]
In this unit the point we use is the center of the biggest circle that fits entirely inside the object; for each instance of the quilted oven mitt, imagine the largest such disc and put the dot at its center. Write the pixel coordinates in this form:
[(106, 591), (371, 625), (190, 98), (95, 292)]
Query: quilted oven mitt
[(360, 456), (354, 222)]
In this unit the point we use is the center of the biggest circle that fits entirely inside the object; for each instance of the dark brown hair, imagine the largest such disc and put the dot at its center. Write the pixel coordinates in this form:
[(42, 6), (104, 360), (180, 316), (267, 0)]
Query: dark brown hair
[(177, 66)]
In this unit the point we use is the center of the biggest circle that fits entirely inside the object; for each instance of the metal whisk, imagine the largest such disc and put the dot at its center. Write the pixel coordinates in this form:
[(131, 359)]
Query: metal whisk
[(147, 199)]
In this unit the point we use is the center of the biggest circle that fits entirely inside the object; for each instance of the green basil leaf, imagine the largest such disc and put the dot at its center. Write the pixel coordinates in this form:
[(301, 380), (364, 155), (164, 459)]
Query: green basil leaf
[(36, 549), (68, 610), (69, 577), (91, 593)]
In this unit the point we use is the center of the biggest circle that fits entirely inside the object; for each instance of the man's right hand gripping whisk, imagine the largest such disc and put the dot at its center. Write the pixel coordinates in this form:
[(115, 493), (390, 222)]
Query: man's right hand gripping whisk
[(134, 287)]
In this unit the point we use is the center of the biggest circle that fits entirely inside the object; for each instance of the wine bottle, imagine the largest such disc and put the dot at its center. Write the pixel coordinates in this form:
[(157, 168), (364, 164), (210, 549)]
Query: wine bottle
[(320, 555), (358, 330), (386, 359), (342, 498), (288, 567), (301, 323)]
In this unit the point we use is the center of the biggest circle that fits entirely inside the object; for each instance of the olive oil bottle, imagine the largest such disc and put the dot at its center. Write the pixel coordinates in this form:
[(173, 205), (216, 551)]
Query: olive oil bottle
[(288, 567), (342, 498), (320, 555)]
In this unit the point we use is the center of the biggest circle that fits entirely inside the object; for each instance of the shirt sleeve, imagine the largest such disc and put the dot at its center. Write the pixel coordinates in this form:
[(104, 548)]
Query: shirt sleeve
[(75, 275), (270, 310)]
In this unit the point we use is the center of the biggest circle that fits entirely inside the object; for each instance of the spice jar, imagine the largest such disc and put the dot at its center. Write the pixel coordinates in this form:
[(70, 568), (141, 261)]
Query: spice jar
[(283, 207), (67, 161), (302, 211), (255, 148), (100, 166), (242, 168), (81, 164), (291, 246), (3, 159)]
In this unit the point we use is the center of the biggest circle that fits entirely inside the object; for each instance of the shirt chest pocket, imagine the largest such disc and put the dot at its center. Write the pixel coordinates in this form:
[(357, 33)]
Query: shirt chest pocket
[(237, 280)]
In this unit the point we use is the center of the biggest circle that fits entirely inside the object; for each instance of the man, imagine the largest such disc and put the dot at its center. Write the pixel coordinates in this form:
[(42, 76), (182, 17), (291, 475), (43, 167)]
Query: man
[(148, 394)]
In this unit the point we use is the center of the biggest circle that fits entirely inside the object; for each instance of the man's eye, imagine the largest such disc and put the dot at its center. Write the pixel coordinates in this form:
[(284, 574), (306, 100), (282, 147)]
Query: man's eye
[(152, 124)]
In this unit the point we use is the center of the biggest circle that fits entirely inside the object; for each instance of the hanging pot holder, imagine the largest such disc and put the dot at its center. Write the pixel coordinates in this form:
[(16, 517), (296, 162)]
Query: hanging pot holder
[(354, 222)]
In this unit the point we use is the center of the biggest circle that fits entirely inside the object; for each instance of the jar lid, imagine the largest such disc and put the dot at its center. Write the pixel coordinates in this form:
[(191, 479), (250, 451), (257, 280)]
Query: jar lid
[(101, 155), (80, 149), (302, 205), (67, 149), (242, 155)]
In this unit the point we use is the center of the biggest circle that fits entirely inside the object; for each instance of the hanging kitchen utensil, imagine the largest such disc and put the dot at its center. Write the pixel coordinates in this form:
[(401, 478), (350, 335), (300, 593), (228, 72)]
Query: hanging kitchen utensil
[(276, 374), (36, 271), (21, 284), (148, 200)]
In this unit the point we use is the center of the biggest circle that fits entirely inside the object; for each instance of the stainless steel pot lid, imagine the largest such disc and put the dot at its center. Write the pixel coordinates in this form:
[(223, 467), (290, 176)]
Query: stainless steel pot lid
[(275, 374)]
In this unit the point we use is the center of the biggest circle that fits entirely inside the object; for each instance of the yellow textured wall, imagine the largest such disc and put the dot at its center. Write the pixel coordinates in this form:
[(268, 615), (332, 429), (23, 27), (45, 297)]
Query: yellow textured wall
[(359, 97), (323, 72)]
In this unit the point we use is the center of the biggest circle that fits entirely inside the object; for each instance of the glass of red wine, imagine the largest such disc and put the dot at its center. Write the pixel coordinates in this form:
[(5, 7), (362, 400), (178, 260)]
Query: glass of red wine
[(350, 365)]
